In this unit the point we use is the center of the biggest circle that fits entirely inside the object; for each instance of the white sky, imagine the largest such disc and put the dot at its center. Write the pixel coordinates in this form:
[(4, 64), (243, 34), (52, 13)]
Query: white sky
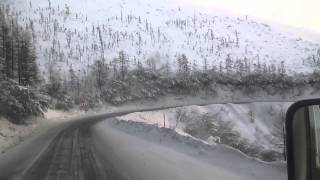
[(298, 13)]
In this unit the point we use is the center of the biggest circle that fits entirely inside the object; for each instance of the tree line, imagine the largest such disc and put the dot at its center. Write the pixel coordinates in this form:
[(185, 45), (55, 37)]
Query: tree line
[(19, 99), (17, 50), (120, 80)]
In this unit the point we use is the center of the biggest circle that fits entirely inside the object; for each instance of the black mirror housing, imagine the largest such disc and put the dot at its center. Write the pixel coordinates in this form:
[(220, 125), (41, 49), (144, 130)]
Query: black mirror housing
[(303, 140)]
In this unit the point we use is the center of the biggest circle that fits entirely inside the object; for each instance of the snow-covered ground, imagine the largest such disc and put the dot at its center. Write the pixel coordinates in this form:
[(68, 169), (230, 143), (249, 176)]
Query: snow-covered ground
[(254, 128), (142, 152), (12, 134), (75, 32)]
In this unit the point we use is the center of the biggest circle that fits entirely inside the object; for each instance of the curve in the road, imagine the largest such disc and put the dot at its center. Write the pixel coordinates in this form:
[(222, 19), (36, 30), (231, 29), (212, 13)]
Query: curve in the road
[(70, 156)]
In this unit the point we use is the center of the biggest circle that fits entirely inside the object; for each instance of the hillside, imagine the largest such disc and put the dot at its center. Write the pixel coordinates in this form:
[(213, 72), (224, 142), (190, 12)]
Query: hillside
[(76, 33)]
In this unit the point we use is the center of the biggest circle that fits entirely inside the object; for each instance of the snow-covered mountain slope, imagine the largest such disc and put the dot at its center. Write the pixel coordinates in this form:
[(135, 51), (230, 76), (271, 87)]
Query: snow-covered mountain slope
[(77, 32)]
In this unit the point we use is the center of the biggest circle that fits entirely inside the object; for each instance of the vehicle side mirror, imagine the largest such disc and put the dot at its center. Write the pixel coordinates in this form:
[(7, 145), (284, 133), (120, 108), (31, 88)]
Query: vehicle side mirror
[(303, 140)]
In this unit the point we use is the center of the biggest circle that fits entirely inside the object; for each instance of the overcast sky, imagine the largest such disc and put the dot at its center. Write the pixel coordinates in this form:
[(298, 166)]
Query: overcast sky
[(299, 13)]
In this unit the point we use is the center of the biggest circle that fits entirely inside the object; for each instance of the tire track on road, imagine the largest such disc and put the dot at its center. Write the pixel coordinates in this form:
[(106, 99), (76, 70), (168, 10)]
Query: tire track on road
[(69, 157)]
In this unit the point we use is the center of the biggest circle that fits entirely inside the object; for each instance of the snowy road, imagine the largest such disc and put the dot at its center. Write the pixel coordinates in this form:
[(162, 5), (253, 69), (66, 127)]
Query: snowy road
[(85, 149), (69, 157), (61, 152)]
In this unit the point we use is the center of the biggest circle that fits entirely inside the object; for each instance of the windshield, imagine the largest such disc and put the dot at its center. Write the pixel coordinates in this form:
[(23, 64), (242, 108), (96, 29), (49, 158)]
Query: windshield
[(153, 89)]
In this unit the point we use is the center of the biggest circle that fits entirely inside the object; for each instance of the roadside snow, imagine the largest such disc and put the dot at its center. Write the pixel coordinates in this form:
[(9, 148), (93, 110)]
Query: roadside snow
[(55, 116), (254, 128), (148, 152), (12, 134)]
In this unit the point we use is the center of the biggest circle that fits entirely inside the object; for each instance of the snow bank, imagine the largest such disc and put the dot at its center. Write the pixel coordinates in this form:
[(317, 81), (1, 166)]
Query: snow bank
[(148, 152), (253, 128), (12, 134)]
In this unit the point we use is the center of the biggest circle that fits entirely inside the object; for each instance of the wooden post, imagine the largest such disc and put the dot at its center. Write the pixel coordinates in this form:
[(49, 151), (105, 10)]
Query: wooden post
[(164, 120)]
